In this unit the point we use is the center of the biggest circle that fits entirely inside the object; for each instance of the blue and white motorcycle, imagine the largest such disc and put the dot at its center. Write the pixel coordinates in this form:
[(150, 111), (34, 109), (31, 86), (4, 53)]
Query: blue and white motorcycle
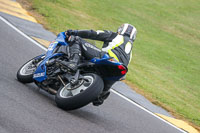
[(72, 90)]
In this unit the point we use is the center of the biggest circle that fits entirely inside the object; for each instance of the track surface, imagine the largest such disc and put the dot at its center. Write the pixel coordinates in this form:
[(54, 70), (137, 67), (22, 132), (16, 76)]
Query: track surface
[(23, 108)]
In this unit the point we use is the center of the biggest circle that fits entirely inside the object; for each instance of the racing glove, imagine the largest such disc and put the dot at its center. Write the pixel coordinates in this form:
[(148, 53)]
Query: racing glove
[(71, 32)]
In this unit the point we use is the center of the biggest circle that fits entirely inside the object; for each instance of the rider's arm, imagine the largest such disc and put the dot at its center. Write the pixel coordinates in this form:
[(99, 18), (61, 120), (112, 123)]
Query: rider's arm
[(95, 35)]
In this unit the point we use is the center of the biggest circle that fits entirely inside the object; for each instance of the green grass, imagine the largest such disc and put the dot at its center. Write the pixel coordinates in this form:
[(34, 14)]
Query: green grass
[(166, 55)]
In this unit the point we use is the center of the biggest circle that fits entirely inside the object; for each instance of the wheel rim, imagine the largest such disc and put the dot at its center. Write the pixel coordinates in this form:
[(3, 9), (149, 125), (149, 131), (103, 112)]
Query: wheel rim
[(67, 90), (28, 69)]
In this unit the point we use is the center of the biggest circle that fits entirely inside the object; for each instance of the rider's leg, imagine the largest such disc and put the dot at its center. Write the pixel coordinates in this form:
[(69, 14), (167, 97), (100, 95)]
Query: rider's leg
[(75, 54), (79, 47), (90, 51)]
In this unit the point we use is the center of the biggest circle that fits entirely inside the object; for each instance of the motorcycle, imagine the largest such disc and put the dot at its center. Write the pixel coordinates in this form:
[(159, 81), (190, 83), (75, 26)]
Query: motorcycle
[(72, 90)]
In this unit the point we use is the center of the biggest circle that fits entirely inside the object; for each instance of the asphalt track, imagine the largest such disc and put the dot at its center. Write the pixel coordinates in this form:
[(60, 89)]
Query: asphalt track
[(24, 108)]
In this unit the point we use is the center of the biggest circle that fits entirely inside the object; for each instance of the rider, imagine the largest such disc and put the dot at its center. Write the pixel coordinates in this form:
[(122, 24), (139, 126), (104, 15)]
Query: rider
[(116, 44)]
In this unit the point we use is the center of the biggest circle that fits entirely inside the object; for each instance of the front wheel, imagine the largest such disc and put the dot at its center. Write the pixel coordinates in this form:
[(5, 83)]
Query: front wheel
[(87, 90), (25, 73)]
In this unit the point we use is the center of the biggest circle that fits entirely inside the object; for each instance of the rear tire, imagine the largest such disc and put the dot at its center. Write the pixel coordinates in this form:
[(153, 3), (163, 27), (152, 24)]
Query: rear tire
[(84, 97)]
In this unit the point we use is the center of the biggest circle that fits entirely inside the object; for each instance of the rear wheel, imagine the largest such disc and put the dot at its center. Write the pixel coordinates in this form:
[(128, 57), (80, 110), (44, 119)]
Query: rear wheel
[(25, 73), (73, 97)]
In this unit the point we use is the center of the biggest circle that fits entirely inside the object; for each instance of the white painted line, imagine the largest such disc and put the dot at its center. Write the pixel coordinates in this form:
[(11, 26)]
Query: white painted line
[(122, 96), (27, 37), (139, 106)]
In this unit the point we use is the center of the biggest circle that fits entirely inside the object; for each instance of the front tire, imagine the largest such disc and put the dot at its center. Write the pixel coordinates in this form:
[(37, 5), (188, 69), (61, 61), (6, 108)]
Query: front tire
[(85, 93), (25, 73)]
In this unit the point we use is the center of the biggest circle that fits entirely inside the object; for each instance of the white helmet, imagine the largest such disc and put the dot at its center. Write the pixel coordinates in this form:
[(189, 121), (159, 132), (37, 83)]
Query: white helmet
[(127, 30)]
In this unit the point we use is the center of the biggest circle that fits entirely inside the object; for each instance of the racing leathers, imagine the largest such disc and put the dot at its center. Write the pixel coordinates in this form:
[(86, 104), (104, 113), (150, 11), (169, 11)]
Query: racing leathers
[(117, 46)]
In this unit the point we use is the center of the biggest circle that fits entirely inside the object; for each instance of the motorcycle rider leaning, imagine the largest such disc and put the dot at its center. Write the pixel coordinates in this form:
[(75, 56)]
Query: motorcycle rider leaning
[(116, 44)]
